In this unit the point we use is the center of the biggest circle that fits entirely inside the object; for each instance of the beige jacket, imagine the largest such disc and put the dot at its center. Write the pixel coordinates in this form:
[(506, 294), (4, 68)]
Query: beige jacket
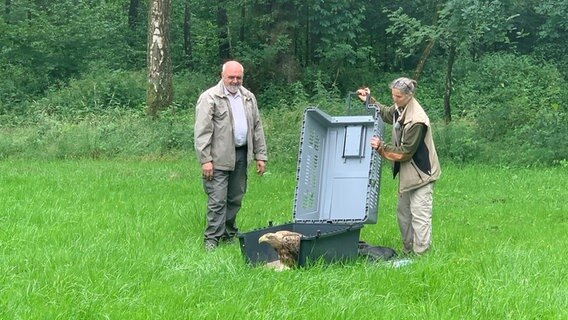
[(422, 166), (213, 130)]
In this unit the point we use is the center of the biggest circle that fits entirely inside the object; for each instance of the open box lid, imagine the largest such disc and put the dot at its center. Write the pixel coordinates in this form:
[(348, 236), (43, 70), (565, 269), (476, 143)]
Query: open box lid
[(338, 174)]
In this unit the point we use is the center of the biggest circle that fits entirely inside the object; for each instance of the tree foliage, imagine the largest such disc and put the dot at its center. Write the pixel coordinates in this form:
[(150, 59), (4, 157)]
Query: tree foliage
[(55, 55)]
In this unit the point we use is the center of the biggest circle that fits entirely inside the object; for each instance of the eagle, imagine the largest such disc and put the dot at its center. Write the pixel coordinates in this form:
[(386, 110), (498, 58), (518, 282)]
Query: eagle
[(286, 244)]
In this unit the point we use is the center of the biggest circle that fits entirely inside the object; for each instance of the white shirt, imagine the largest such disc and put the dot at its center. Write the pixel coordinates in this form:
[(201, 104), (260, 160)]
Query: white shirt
[(240, 126)]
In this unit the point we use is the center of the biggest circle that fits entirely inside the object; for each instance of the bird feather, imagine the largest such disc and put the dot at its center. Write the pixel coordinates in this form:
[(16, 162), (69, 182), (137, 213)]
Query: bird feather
[(286, 244)]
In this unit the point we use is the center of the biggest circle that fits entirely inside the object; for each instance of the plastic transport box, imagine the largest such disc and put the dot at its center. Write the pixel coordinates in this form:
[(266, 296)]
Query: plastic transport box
[(337, 190)]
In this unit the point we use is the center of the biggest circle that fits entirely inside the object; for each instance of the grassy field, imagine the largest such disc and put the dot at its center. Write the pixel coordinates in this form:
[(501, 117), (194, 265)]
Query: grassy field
[(123, 240)]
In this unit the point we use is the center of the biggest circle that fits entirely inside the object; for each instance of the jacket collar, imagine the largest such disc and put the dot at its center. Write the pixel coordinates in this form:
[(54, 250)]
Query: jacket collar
[(408, 112)]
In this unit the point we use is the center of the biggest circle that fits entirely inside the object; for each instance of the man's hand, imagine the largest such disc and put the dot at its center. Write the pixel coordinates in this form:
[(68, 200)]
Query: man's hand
[(207, 170), (260, 167)]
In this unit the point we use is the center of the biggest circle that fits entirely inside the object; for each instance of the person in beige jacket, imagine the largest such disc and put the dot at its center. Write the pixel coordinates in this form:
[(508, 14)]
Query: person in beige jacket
[(415, 160), (228, 135)]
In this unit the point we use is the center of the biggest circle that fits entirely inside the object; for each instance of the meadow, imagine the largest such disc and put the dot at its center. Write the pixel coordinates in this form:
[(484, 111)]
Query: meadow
[(122, 239)]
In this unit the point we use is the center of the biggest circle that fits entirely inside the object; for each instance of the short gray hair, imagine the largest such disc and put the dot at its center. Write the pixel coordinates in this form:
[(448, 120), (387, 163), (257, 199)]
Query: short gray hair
[(224, 66), (405, 85)]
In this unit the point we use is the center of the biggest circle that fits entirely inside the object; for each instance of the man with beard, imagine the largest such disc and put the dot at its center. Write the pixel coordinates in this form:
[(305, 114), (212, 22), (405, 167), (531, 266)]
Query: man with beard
[(228, 135)]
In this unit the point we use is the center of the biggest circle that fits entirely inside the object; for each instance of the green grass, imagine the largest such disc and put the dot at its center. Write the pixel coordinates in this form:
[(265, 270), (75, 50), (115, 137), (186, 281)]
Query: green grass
[(123, 240)]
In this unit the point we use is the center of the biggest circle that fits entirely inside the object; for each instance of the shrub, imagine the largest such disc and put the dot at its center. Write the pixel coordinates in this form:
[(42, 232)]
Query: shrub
[(518, 106), (111, 134), (187, 88), (456, 141), (98, 91)]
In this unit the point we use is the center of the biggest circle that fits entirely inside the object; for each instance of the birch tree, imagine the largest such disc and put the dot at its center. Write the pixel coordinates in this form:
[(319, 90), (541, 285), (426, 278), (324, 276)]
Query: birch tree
[(160, 87)]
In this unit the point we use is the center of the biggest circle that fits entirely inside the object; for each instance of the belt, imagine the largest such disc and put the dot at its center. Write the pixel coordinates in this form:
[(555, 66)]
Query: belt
[(241, 147)]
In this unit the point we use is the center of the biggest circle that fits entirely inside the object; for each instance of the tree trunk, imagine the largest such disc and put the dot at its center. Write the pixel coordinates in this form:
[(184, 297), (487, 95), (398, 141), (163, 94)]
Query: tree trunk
[(7, 5), (448, 84), (242, 29), (187, 48), (428, 49), (160, 88), (133, 14), (308, 52), (223, 34), (423, 57)]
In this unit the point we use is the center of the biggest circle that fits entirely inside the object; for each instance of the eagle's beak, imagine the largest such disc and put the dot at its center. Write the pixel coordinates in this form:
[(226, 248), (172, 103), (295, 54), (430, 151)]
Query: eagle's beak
[(262, 239)]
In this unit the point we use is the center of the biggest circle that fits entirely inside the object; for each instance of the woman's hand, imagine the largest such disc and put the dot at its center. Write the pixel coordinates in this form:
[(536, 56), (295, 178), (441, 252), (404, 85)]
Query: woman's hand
[(363, 93), (376, 143)]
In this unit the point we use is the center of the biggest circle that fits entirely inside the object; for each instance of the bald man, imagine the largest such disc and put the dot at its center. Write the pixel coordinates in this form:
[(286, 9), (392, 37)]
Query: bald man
[(228, 136)]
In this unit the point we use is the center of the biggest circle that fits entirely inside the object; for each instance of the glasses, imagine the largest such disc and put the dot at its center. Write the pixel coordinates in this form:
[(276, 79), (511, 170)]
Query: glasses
[(400, 84)]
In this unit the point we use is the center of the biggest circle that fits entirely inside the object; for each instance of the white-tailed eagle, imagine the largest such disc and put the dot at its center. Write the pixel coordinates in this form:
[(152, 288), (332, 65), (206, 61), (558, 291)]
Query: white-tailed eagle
[(287, 246)]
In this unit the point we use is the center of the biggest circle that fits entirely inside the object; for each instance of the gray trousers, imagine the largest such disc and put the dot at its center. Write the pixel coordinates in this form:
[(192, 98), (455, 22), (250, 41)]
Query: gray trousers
[(414, 215), (224, 195)]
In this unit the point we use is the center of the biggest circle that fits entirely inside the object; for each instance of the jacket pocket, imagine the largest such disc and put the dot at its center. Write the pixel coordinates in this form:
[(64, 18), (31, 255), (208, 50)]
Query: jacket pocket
[(221, 111), (421, 175)]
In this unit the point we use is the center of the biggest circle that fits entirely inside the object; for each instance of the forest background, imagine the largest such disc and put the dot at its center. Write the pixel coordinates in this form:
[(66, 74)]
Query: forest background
[(491, 74), (100, 200)]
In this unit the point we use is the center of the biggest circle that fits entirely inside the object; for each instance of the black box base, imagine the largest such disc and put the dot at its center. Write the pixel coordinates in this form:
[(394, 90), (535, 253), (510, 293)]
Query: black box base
[(320, 241)]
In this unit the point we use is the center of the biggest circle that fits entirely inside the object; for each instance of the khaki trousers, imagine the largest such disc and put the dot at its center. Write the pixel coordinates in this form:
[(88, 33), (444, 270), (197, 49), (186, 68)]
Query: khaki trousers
[(414, 215), (224, 196)]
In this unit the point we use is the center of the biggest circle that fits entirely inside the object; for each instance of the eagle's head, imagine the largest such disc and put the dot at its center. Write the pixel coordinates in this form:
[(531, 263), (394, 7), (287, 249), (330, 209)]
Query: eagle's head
[(286, 244), (273, 239)]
